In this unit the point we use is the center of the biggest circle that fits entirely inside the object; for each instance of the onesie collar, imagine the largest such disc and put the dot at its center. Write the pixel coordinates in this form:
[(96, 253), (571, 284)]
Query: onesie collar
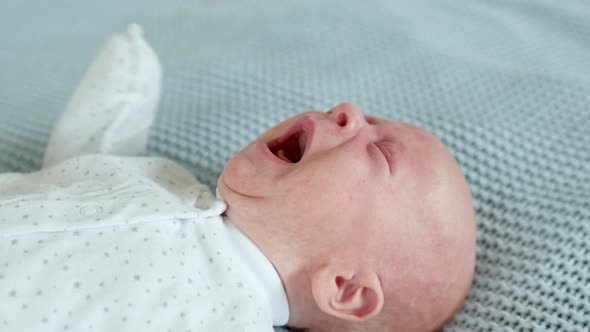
[(262, 271)]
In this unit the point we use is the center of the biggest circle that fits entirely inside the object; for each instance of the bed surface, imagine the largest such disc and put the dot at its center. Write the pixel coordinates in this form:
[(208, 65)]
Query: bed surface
[(505, 84)]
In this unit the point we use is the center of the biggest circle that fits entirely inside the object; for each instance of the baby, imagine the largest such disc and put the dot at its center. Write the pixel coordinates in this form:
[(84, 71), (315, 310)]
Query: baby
[(368, 221), (330, 221)]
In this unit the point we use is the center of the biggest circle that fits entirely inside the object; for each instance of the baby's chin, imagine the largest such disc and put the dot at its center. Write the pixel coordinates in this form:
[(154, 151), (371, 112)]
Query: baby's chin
[(239, 172)]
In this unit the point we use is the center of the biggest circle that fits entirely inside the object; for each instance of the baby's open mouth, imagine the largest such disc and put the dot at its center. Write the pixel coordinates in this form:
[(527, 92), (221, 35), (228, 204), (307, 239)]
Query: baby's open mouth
[(289, 148)]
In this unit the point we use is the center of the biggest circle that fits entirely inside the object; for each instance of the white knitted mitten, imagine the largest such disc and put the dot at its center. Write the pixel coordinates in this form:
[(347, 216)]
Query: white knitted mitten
[(114, 105)]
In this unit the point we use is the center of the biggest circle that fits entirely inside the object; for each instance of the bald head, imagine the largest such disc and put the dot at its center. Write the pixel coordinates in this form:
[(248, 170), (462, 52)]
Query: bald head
[(431, 267)]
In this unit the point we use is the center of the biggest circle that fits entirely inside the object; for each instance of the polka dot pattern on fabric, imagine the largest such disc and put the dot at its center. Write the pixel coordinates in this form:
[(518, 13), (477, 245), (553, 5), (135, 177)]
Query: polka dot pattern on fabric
[(88, 251)]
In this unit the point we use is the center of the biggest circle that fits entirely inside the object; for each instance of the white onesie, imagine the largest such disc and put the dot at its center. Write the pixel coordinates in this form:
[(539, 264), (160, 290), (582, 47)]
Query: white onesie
[(102, 242)]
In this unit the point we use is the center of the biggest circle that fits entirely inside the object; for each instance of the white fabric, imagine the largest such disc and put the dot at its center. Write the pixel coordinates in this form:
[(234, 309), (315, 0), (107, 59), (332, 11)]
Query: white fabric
[(114, 104), (99, 242), (109, 243)]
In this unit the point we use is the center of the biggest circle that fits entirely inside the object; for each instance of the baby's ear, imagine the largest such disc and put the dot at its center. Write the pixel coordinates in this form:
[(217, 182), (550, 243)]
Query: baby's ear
[(347, 294)]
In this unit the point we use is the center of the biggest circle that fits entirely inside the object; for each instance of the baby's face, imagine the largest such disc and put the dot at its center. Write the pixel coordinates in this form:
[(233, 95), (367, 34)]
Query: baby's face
[(315, 167), (374, 194), (327, 173)]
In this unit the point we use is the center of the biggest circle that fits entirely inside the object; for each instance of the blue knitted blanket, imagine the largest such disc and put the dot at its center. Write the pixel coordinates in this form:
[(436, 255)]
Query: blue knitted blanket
[(505, 84)]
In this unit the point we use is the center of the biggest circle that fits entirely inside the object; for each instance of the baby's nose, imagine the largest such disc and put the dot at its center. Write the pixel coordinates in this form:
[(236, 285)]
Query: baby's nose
[(348, 117)]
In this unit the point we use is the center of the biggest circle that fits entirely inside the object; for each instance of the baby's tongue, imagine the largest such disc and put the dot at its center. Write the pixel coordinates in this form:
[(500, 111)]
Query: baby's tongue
[(282, 156)]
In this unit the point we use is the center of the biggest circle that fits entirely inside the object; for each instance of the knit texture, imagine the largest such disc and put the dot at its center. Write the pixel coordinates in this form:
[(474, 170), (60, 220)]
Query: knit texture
[(505, 84)]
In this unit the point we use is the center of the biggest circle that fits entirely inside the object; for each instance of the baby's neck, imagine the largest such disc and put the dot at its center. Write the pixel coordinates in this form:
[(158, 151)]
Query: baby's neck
[(304, 313), (301, 304), (296, 278), (292, 264)]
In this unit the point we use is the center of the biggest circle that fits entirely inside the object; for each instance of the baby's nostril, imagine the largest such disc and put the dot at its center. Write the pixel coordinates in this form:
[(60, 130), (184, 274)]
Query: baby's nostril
[(342, 119)]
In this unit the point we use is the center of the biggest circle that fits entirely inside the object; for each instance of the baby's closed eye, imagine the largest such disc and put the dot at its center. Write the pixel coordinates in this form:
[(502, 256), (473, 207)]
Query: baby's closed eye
[(387, 149)]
